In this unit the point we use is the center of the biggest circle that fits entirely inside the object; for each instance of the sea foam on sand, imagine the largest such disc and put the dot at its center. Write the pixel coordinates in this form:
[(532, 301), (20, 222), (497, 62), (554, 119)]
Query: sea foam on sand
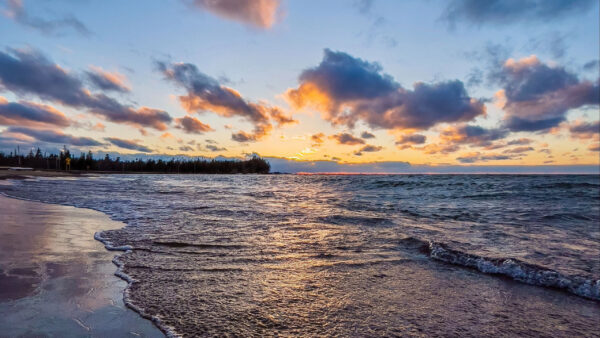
[(71, 287)]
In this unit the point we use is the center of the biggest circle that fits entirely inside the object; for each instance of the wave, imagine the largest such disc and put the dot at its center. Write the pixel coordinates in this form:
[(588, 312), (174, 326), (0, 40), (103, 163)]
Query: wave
[(510, 267), (567, 216), (174, 244), (169, 331), (567, 185), (355, 220)]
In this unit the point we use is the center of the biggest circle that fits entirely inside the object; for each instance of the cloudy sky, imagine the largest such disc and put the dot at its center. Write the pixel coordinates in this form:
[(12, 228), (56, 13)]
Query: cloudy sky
[(326, 83)]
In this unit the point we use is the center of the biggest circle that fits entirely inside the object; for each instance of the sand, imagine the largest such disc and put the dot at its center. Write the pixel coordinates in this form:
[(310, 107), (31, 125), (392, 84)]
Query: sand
[(56, 280), (22, 174)]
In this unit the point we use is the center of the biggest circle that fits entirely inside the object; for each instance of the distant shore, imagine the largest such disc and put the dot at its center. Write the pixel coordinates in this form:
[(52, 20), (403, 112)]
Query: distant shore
[(6, 174)]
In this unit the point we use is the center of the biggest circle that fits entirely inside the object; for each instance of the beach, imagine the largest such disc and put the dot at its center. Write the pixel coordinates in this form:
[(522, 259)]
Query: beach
[(56, 279)]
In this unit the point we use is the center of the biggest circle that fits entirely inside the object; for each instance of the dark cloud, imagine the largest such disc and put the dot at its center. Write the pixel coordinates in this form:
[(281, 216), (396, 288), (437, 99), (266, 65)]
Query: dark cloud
[(107, 81), (192, 125), (371, 148), (52, 136), (258, 133), (520, 142), (242, 136), (28, 114), (518, 150), (333, 166), (368, 149), (215, 148), (584, 129), (347, 90), (478, 157), (256, 13), (537, 97), (411, 139), (30, 72), (501, 12), (594, 147), (367, 135), (472, 135), (591, 65), (205, 93), (186, 148), (347, 139), (16, 11), (128, 144)]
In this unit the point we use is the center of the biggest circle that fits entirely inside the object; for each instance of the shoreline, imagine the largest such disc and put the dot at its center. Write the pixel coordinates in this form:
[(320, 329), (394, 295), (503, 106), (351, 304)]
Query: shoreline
[(58, 278)]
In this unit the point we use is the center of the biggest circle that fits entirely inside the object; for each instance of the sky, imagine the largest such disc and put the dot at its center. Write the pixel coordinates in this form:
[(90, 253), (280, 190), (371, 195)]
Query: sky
[(354, 85)]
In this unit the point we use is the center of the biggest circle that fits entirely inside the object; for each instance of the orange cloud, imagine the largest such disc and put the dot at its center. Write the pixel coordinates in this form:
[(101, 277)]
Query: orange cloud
[(346, 90), (257, 13), (104, 80)]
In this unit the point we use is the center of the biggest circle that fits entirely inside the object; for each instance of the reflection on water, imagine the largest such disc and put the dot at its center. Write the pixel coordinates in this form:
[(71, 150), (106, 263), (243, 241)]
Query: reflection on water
[(349, 255), (55, 278)]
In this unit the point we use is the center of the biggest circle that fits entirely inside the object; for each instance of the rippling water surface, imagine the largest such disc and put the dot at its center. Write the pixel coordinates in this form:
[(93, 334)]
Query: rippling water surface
[(352, 255)]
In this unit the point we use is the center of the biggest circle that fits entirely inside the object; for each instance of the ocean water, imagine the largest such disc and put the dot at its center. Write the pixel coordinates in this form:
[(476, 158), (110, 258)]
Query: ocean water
[(351, 255)]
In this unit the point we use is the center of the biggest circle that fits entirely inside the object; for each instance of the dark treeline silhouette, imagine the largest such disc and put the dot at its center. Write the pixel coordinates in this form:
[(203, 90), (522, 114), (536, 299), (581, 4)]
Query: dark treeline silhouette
[(86, 162)]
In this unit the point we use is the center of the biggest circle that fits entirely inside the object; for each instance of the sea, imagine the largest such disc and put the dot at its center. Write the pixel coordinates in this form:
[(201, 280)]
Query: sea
[(350, 255)]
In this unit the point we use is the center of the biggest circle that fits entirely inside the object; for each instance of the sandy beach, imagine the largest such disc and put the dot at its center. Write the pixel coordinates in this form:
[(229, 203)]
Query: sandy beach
[(56, 280), (22, 174)]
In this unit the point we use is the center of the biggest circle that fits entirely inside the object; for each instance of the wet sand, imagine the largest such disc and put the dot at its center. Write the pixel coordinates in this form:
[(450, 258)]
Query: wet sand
[(22, 174), (56, 279)]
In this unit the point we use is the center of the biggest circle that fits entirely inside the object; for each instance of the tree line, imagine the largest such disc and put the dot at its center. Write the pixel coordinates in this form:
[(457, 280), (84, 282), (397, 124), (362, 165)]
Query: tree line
[(87, 162)]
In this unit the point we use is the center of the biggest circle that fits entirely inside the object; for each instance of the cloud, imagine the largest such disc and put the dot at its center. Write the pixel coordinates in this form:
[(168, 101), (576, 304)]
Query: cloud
[(348, 89), (186, 148), (368, 149), (439, 148), (107, 81), (30, 72), (256, 13), (367, 135), (521, 142), (281, 118), (29, 114), (205, 93), (332, 166), (16, 11), (258, 133), (537, 97), (128, 144), (478, 157), (472, 135), (518, 150), (412, 139), (594, 147), (591, 65), (215, 148), (406, 141), (318, 138), (584, 130), (347, 139), (192, 125), (52, 136), (363, 6), (501, 12)]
